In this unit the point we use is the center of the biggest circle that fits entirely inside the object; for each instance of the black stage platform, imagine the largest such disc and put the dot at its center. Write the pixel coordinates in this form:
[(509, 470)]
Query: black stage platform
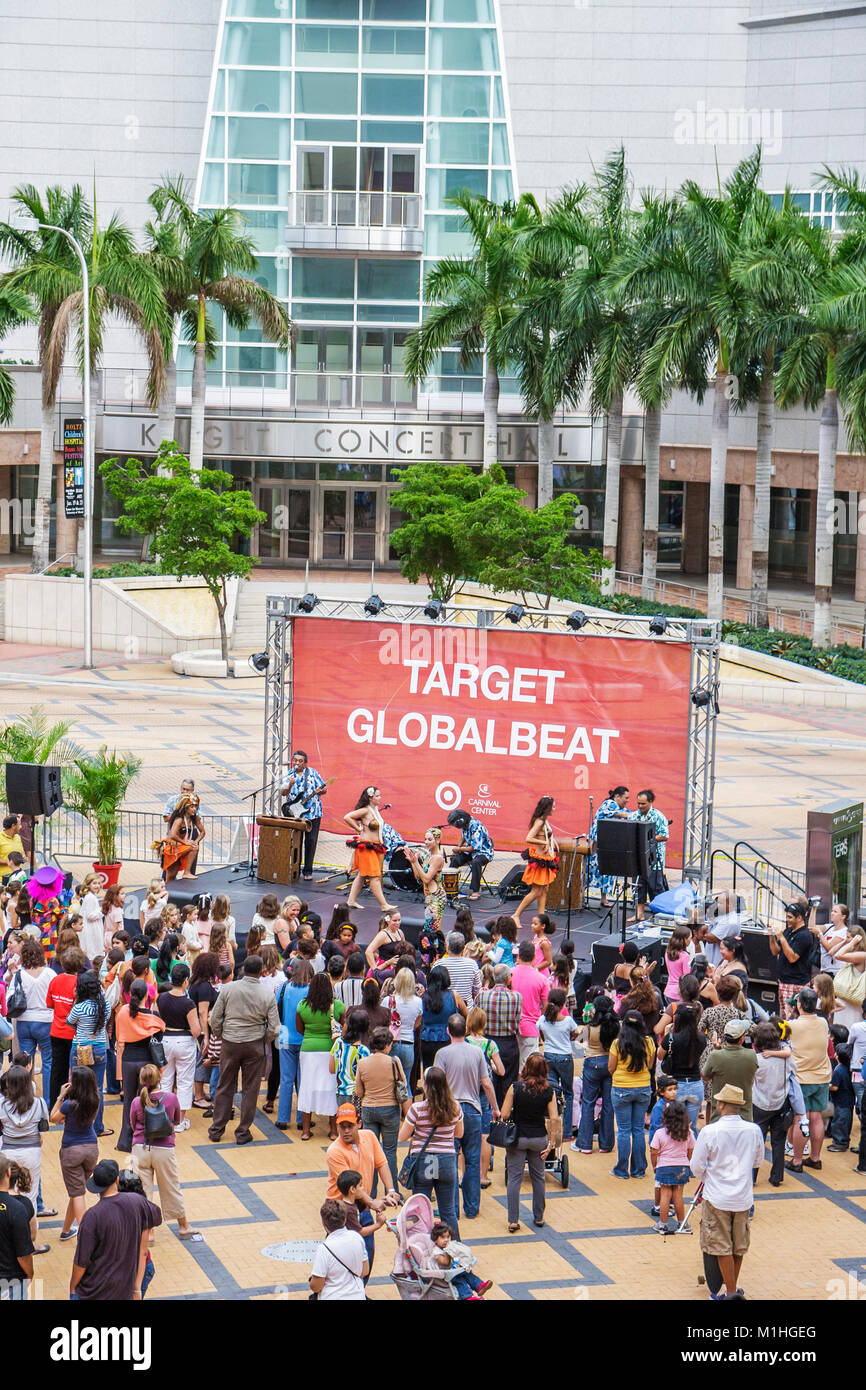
[(324, 892)]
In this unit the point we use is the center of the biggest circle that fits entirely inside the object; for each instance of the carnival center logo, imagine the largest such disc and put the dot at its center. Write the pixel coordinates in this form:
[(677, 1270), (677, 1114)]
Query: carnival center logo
[(448, 796), (483, 789), (483, 803)]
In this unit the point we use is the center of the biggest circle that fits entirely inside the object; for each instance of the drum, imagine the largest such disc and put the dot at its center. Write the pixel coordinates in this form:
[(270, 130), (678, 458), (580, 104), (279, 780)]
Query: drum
[(451, 883), (400, 870)]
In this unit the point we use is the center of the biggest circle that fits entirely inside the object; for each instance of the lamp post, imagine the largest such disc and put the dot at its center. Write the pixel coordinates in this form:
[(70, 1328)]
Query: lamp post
[(33, 224)]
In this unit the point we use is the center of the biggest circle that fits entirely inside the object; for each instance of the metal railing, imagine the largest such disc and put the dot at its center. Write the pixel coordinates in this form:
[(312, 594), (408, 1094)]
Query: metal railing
[(333, 208), (772, 886), (67, 834)]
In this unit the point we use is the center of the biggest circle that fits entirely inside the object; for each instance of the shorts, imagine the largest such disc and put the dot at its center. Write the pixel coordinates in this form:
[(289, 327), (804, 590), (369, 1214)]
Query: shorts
[(724, 1232), (816, 1097), (77, 1162), (673, 1175)]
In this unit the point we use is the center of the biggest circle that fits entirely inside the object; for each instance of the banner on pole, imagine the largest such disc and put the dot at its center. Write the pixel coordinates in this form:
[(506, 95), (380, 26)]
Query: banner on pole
[(491, 721), (73, 467)]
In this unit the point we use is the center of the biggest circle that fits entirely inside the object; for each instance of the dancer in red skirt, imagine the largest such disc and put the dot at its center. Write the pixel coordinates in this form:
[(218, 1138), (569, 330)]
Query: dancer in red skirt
[(366, 821)]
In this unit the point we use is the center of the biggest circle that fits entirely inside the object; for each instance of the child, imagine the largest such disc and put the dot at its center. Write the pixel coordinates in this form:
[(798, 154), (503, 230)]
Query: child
[(670, 1149), (222, 912), (667, 1092), (346, 1053), (454, 1255), (219, 945), (677, 961), (359, 1217), (336, 970), (503, 937), (154, 901), (189, 929), (204, 921), (842, 1095)]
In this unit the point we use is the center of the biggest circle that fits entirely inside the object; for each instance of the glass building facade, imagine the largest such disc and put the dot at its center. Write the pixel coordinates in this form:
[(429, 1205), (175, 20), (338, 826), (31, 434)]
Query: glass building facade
[(341, 129)]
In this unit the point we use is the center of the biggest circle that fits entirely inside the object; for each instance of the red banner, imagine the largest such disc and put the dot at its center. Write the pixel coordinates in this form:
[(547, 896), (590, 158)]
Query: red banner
[(490, 720)]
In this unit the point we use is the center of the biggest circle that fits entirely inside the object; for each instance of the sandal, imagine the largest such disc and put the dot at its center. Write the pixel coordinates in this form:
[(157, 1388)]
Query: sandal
[(487, 1183), (104, 1133), (513, 1226), (201, 1105), (305, 1137), (268, 1107), (188, 1235), (47, 1211), (41, 1249)]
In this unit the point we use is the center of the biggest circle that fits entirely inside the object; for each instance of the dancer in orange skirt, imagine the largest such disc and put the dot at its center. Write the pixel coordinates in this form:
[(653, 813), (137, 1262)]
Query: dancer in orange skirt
[(175, 852), (543, 855), (366, 821)]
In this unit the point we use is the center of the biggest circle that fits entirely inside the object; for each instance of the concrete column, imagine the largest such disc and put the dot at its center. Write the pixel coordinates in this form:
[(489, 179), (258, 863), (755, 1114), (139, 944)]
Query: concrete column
[(813, 531), (860, 572), (631, 522), (696, 518), (66, 528), (744, 537)]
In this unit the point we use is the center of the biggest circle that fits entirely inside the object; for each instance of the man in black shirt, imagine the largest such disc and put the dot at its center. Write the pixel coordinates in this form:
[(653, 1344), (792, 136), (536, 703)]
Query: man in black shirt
[(793, 945), (16, 1247), (112, 1240)]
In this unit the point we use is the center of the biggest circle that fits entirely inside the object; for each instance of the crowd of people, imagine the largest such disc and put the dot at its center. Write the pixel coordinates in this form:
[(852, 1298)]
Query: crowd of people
[(452, 1046)]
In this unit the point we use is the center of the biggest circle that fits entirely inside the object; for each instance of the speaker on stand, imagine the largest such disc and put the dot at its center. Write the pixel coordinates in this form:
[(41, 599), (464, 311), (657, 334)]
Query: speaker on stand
[(33, 790), (624, 849)]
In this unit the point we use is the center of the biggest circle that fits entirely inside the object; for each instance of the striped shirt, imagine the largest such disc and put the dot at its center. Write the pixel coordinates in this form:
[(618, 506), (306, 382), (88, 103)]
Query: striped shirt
[(465, 976), (346, 1057), (504, 1010), (443, 1139), (349, 990)]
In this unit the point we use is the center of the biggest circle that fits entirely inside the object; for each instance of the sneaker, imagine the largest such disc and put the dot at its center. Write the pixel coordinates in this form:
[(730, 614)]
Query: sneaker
[(184, 1124), (837, 1148), (575, 1150), (68, 1235), (718, 1297), (655, 1211), (683, 1230), (858, 1169), (661, 1228), (484, 1288), (789, 1149)]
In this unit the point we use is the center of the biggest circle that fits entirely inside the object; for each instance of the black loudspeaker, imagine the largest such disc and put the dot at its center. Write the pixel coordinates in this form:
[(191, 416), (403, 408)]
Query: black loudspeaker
[(512, 885), (760, 962), (624, 847), (606, 952), (411, 928), (33, 789), (764, 993)]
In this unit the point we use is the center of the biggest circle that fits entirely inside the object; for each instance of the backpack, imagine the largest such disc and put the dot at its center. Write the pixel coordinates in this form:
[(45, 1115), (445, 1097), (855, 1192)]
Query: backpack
[(157, 1125)]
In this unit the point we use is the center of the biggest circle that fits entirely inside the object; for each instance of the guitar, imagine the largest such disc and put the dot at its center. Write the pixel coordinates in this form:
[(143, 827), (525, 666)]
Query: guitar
[(297, 809)]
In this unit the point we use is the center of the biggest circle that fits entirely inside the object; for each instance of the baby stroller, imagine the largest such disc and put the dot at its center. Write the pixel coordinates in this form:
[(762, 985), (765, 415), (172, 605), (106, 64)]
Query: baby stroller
[(412, 1272), (557, 1160)]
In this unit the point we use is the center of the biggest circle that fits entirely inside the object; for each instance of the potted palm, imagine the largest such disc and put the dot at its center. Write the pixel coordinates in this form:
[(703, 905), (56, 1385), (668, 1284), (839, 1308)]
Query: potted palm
[(96, 791)]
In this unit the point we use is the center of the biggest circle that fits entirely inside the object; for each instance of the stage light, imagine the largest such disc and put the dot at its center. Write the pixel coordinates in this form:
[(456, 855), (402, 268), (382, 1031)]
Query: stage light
[(658, 624), (373, 606), (576, 620), (701, 698), (259, 661), (308, 602), (434, 608), (514, 613)]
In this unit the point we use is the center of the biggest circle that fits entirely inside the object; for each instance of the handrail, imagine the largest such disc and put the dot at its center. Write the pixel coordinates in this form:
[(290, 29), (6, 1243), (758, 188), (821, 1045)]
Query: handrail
[(70, 555), (770, 865)]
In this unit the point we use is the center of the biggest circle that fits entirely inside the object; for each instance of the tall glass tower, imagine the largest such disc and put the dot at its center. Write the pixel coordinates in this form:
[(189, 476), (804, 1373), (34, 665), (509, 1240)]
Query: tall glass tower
[(341, 128)]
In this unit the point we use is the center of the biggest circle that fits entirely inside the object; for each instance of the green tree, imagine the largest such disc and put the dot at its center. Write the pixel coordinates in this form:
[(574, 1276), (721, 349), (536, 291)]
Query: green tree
[(472, 299), (194, 516), (206, 258), (34, 738), (15, 309), (437, 540), (45, 267), (96, 790), (532, 553)]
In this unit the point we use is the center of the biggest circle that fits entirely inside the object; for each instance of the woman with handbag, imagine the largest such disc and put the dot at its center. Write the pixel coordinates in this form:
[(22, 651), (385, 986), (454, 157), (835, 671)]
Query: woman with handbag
[(89, 1016), (23, 1121), (530, 1106), (76, 1108), (33, 1023), (317, 1019), (381, 1087), (155, 1115), (849, 982), (139, 1033), (431, 1126)]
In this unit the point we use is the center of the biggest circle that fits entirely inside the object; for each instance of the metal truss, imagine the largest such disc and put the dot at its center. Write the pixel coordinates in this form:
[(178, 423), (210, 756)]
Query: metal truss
[(702, 635)]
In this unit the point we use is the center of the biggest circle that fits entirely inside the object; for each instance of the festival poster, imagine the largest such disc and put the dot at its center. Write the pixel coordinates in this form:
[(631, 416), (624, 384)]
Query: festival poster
[(490, 720)]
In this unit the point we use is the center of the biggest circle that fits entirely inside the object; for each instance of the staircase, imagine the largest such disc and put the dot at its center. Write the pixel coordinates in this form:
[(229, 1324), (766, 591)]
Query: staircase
[(250, 626)]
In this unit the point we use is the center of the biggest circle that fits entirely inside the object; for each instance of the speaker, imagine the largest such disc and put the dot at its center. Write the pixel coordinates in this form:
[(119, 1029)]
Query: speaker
[(624, 847), (33, 789), (606, 952), (760, 962), (764, 993), (512, 885), (411, 928)]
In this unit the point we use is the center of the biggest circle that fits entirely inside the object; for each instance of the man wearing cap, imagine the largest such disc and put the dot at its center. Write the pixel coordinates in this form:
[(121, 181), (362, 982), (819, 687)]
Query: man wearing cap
[(793, 946), (359, 1149), (724, 1156), (731, 1063), (112, 1241)]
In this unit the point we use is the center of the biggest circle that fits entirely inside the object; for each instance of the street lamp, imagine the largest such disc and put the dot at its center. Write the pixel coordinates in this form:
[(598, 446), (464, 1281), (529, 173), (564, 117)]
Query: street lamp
[(32, 224)]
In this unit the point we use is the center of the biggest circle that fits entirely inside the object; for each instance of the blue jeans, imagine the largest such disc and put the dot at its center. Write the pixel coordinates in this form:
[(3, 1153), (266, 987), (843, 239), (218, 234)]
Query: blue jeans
[(630, 1106), (470, 1146), (98, 1070), (289, 1071), (841, 1124), (384, 1122), (37, 1035), (465, 1283), (439, 1171), (691, 1093), (406, 1053), (596, 1082), (560, 1075)]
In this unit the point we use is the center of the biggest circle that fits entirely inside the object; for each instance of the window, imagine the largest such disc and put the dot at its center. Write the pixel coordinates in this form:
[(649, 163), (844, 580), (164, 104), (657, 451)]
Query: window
[(446, 236), (219, 91), (257, 138), (259, 91), (325, 130), (326, 9), (446, 183), (328, 93), (256, 183), (268, 229), (212, 189), (316, 45), (216, 140), (392, 96), (392, 132), (499, 147), (459, 96), (462, 11), (464, 50), (452, 142), (393, 48), (400, 10), (258, 9), (257, 45), (322, 277), (388, 279), (501, 187)]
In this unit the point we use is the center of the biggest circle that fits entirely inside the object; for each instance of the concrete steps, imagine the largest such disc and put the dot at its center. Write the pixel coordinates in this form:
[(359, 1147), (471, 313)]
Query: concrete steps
[(250, 626)]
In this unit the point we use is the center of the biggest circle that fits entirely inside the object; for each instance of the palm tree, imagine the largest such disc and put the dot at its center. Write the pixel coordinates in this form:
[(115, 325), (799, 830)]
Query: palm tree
[(473, 298), (694, 279), (45, 267), (205, 258), (15, 309), (33, 738)]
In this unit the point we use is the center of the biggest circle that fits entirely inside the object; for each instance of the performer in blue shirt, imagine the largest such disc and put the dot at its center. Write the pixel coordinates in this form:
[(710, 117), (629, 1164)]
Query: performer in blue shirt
[(303, 790), (475, 848)]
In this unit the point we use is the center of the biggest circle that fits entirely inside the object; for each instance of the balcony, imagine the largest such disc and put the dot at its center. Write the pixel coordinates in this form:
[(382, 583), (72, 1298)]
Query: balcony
[(331, 220)]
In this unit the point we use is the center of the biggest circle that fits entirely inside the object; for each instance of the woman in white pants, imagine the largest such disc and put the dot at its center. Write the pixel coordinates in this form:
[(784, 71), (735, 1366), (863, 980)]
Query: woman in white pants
[(182, 1030)]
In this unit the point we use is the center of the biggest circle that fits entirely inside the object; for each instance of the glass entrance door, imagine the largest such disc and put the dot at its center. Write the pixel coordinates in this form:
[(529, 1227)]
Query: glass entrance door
[(380, 356), (349, 525), (283, 538)]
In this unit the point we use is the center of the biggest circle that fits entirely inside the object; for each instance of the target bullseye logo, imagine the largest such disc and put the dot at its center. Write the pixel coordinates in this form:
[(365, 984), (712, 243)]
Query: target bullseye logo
[(448, 796)]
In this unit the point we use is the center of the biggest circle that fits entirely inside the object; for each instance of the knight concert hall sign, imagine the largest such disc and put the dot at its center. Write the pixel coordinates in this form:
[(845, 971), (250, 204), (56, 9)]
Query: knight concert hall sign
[(489, 720)]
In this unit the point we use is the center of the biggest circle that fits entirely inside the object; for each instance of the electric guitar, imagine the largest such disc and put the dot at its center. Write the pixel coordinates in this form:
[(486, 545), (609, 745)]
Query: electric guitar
[(297, 809)]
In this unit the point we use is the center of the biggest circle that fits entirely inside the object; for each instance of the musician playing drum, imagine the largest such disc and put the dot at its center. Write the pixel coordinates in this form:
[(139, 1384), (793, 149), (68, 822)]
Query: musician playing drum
[(475, 848), (303, 791), (366, 821)]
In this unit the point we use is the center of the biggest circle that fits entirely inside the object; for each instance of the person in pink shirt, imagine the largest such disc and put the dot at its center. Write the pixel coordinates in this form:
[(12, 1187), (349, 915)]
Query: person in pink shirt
[(670, 1150), (533, 988), (677, 960)]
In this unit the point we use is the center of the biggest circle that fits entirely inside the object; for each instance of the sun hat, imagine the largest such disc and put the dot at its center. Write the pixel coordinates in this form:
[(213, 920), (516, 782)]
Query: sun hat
[(730, 1095)]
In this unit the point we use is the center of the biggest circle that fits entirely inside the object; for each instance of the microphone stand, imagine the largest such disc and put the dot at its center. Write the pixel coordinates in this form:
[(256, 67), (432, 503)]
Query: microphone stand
[(252, 859)]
